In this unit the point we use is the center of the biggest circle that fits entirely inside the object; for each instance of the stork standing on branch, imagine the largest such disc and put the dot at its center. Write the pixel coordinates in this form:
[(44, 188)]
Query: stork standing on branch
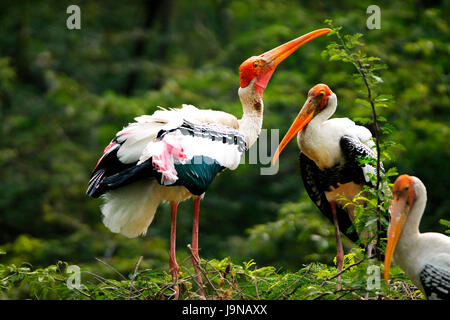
[(329, 165), (425, 257), (175, 154)]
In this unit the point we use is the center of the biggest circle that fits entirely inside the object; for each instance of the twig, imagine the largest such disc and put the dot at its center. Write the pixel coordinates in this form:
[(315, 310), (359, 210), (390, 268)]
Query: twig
[(343, 270), (337, 291), (198, 260), (78, 290), (207, 279), (106, 281), (135, 273), (137, 267), (111, 267), (228, 281), (256, 289), (84, 293), (295, 289)]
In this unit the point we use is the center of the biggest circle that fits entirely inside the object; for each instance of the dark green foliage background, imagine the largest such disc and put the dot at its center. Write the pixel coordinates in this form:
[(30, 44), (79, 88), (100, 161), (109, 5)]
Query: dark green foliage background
[(64, 94)]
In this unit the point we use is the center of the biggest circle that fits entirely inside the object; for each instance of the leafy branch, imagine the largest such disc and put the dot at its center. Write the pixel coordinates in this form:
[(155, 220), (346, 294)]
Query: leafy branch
[(224, 280), (347, 48), (445, 223)]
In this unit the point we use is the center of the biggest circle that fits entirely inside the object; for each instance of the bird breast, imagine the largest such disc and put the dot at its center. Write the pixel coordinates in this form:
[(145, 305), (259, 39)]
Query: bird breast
[(343, 191), (321, 146), (320, 140)]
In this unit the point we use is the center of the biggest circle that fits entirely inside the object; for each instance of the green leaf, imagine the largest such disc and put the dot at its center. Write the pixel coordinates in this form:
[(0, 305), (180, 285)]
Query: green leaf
[(381, 105), (363, 102), (362, 121), (384, 97), (445, 222), (335, 57)]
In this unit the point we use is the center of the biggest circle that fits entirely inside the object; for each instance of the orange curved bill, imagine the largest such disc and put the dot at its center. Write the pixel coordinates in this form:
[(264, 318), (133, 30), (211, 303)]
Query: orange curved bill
[(398, 219), (278, 54), (303, 118)]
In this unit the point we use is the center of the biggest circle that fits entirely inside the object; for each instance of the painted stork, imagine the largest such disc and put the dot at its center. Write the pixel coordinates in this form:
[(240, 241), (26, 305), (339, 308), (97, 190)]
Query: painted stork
[(175, 154), (425, 257), (328, 159)]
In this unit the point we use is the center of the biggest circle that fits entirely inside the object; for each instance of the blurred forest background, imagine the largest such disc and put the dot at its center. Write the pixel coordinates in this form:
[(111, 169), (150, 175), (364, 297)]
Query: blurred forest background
[(65, 93)]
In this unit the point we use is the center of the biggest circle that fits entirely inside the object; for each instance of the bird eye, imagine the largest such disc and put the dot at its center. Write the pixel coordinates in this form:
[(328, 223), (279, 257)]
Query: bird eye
[(255, 64)]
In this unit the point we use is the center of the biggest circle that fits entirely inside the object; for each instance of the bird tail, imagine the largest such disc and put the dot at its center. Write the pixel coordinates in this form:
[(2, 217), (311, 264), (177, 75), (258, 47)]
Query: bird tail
[(130, 209)]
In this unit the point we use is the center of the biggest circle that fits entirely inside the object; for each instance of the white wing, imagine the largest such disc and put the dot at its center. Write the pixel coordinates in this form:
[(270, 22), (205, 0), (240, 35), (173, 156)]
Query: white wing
[(345, 126), (207, 145), (365, 136), (137, 135)]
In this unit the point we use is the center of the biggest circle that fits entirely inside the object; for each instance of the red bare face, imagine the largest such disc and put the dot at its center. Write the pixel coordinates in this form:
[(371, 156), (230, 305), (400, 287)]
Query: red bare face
[(255, 68), (404, 189), (318, 95), (262, 67)]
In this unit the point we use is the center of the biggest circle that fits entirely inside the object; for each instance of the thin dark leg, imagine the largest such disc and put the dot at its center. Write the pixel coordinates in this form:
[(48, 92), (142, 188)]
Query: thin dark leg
[(173, 259), (194, 248), (340, 250)]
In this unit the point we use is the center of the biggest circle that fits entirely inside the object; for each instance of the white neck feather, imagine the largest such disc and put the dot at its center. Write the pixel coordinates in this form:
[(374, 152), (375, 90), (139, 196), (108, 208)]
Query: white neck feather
[(410, 230), (251, 122), (317, 146), (409, 252), (325, 114)]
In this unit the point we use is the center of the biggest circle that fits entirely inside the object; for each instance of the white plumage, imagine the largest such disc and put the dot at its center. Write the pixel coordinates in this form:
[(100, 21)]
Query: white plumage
[(130, 210), (417, 253), (330, 149), (137, 135), (320, 142)]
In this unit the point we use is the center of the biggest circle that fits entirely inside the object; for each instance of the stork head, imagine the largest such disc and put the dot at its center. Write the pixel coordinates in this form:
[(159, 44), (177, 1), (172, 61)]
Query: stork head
[(318, 99), (404, 199), (260, 68)]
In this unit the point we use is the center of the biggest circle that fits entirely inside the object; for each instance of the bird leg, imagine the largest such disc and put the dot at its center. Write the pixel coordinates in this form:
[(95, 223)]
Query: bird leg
[(172, 258), (340, 250), (194, 249)]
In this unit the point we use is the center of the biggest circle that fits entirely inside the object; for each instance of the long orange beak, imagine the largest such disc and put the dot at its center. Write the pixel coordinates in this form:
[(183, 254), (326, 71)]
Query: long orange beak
[(274, 57), (398, 212), (303, 118), (278, 54)]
